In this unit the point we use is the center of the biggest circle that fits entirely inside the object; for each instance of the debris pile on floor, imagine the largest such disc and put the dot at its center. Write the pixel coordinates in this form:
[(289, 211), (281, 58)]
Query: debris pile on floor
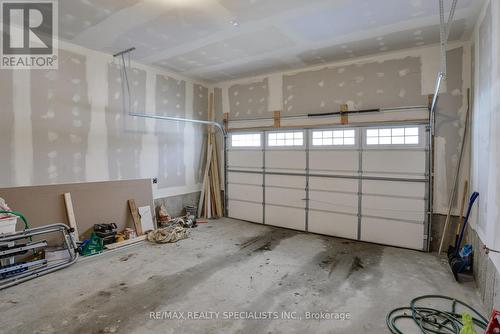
[(169, 234)]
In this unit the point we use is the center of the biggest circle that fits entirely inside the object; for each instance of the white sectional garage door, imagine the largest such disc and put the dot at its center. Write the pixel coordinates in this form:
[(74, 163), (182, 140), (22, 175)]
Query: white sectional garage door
[(361, 183)]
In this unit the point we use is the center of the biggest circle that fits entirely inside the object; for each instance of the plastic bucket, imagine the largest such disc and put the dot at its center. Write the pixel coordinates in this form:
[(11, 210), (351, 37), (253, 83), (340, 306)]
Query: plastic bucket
[(8, 225)]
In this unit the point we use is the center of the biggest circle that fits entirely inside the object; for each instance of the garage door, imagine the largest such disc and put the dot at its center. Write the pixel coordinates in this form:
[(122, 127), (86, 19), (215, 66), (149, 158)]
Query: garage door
[(361, 183)]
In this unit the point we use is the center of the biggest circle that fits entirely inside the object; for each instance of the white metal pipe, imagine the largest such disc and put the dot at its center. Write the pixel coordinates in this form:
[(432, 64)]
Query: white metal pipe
[(178, 119)]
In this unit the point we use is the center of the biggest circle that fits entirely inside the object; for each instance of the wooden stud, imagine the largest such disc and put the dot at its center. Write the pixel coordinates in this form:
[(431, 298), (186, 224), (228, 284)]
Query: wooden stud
[(344, 118), (135, 216), (71, 216), (277, 119)]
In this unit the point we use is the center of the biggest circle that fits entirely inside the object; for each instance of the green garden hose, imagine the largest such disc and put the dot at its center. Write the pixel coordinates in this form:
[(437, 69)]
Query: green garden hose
[(433, 320)]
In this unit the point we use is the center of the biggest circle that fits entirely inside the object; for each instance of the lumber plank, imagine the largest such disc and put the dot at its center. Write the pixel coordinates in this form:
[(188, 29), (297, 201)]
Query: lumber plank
[(277, 119), (126, 242), (135, 216), (205, 180), (71, 216)]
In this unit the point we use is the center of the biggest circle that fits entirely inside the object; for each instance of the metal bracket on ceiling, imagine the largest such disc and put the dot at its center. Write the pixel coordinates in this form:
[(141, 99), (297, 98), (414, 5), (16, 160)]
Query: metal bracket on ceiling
[(121, 53)]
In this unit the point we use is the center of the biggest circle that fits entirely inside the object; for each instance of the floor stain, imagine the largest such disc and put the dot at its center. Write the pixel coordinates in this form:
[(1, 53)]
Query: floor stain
[(356, 265)]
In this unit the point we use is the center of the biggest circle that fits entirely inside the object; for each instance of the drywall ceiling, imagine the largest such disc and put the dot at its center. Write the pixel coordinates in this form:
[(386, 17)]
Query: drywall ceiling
[(217, 40)]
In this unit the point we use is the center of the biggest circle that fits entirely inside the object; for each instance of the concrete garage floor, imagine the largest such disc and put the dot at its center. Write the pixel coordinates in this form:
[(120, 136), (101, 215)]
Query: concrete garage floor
[(230, 266)]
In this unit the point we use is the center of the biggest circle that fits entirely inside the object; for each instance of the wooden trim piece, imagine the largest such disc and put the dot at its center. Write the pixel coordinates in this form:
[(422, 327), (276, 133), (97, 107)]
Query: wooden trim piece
[(315, 126), (126, 242), (135, 216), (344, 117), (277, 119)]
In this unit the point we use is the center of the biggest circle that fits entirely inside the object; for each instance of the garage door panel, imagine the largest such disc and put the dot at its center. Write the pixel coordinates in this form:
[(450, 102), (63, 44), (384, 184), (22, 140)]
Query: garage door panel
[(395, 188), (298, 182), (389, 232), (335, 162), (399, 162), (288, 197), (286, 160), (245, 211), (393, 207), (341, 225), (387, 209), (333, 184), (335, 202), (285, 217), (245, 178), (245, 159), (245, 192)]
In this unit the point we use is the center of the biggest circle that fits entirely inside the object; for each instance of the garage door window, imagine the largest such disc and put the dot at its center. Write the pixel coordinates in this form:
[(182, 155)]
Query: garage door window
[(393, 136), (334, 138), (245, 140), (277, 139)]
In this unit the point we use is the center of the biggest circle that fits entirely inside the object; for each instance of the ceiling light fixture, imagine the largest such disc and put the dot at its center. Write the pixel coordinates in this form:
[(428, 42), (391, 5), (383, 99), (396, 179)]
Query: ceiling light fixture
[(234, 23)]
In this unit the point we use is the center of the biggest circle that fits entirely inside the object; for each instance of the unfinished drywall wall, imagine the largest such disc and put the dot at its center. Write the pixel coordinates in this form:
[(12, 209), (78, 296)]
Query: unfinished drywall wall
[(450, 120), (391, 83), (485, 138), (170, 101), (484, 117), (6, 127), (200, 112), (124, 133), (249, 101), (200, 102), (69, 125), (60, 121), (219, 115)]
